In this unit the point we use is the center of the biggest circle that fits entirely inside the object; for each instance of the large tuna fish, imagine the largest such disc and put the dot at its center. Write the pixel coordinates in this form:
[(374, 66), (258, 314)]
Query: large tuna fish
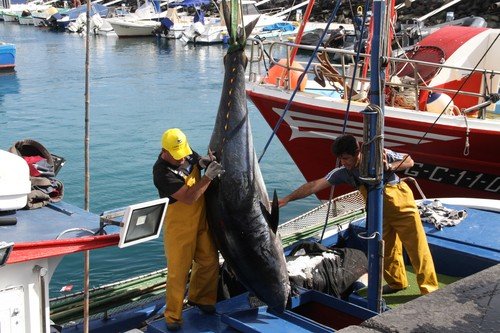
[(237, 202)]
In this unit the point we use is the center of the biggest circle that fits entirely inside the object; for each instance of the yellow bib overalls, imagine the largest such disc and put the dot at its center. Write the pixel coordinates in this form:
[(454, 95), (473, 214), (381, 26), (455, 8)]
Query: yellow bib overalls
[(188, 244), (402, 226)]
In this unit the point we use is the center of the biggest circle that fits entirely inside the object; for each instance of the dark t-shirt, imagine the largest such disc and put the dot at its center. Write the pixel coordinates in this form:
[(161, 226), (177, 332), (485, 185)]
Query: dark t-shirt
[(169, 178), (341, 175)]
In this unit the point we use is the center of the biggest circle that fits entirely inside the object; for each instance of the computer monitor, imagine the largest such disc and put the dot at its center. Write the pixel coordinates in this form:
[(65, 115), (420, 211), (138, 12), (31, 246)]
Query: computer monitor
[(142, 222)]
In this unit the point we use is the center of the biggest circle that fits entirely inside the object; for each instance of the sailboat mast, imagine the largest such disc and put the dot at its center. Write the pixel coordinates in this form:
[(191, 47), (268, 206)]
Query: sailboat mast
[(374, 129)]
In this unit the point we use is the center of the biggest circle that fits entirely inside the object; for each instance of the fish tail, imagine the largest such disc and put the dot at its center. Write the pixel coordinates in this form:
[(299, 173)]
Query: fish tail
[(237, 37)]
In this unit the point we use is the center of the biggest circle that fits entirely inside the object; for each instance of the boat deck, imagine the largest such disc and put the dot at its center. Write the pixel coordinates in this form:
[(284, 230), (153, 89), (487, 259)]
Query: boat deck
[(238, 315), (467, 248), (56, 229), (474, 240)]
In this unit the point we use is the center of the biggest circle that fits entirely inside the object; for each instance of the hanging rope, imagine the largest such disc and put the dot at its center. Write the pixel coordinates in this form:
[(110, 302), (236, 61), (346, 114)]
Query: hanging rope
[(301, 78), (356, 63)]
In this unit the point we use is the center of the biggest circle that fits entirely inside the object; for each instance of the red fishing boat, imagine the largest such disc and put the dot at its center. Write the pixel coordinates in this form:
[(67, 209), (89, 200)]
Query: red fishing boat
[(440, 108)]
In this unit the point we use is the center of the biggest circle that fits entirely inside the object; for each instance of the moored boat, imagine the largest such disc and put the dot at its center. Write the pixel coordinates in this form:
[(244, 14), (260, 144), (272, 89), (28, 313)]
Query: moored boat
[(178, 19), (443, 114), (40, 17), (124, 28), (34, 240), (10, 16), (214, 31), (62, 20), (457, 253), (7, 56), (142, 22), (26, 18)]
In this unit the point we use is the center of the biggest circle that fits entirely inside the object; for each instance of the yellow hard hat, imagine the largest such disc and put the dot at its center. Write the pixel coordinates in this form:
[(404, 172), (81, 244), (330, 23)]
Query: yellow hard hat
[(175, 142)]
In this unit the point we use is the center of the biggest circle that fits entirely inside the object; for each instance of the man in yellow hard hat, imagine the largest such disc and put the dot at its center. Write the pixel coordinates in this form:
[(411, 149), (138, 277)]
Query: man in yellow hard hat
[(186, 238), (402, 226)]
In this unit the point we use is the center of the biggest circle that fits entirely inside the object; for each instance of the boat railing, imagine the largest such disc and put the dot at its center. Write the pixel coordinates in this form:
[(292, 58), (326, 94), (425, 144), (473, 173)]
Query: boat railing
[(109, 299), (405, 90), (272, 11), (340, 210)]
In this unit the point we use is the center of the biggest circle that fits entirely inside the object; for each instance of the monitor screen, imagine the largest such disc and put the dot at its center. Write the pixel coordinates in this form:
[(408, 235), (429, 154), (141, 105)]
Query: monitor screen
[(142, 222)]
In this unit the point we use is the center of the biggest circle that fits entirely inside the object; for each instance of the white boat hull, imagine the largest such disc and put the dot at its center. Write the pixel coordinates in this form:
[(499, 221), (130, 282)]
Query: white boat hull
[(26, 20), (9, 17), (24, 290), (134, 29), (39, 21)]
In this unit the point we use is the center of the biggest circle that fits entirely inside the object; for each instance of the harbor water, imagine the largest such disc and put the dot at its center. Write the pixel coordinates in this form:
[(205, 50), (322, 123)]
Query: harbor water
[(139, 87)]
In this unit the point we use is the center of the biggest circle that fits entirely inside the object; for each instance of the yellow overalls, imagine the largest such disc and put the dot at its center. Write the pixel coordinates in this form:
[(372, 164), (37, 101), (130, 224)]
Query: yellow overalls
[(402, 226), (187, 243)]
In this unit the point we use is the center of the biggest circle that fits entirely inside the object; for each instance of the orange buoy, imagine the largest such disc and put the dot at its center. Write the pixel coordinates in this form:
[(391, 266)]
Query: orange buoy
[(277, 75)]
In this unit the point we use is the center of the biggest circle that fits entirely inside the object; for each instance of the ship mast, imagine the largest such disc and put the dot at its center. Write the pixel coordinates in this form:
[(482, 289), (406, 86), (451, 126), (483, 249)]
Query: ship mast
[(372, 167), (86, 277)]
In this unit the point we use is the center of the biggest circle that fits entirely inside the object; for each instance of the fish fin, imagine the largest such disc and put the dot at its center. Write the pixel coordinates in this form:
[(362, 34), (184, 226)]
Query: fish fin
[(275, 212), (272, 218), (249, 27), (227, 15), (265, 213)]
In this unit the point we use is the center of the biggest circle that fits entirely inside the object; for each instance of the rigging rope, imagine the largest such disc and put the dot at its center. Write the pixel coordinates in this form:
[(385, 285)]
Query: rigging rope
[(356, 63), (467, 143), (461, 87), (301, 78)]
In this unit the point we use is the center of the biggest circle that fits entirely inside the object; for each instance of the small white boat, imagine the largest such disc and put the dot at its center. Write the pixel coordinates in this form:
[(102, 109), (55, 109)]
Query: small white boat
[(176, 24), (40, 17), (26, 18), (142, 22), (10, 16), (124, 28)]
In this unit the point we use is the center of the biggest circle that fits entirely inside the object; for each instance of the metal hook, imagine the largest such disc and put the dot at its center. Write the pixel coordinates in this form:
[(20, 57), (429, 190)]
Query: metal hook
[(372, 236)]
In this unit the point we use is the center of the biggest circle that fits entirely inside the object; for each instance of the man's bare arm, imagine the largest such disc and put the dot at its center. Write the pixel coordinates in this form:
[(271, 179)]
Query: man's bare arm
[(406, 163), (305, 190)]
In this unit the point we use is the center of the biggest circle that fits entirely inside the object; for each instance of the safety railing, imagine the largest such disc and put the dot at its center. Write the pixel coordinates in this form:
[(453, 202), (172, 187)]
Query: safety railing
[(343, 209), (403, 91)]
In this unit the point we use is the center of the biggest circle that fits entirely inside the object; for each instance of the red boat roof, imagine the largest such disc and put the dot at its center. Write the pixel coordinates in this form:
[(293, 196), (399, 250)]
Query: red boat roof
[(54, 230), (450, 38)]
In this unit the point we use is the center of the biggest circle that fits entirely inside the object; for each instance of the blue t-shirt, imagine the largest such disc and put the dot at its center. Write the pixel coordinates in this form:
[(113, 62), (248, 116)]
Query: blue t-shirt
[(341, 175)]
